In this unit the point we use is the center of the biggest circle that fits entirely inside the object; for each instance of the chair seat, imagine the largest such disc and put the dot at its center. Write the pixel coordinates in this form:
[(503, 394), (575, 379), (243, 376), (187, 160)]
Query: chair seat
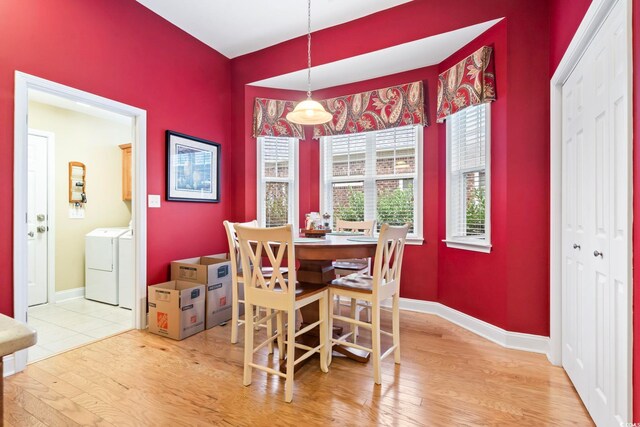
[(304, 290), (354, 282), (351, 264)]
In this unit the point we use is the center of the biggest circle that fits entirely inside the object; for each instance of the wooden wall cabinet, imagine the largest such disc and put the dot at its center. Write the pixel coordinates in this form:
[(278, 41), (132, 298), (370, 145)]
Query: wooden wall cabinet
[(126, 171)]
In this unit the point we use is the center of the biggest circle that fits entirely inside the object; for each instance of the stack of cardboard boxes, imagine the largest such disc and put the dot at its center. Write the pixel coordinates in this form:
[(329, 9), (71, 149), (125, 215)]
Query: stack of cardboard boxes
[(197, 297)]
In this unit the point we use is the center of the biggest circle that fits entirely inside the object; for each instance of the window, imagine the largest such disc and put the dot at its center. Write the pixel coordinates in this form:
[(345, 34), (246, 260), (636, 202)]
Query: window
[(374, 175), (468, 179), (277, 181)]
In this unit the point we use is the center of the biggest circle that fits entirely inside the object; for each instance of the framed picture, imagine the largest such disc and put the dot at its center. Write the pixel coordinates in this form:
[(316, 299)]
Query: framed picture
[(193, 169)]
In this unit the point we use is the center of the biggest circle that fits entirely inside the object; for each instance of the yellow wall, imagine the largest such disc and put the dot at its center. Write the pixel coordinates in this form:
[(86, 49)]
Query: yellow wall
[(93, 141)]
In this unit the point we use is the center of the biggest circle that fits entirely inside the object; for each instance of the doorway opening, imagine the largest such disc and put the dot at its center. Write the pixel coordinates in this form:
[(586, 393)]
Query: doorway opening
[(79, 230), (80, 185)]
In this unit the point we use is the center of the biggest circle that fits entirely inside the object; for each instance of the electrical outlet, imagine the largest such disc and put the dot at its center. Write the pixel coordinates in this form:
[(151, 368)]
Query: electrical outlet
[(154, 200)]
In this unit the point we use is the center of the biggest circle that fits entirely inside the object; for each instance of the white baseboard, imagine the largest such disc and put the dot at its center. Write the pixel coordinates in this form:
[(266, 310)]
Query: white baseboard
[(8, 365), (513, 340), (70, 294)]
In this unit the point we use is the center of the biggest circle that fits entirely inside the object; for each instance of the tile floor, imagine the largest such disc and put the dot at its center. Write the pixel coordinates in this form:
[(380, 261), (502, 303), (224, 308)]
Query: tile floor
[(72, 323)]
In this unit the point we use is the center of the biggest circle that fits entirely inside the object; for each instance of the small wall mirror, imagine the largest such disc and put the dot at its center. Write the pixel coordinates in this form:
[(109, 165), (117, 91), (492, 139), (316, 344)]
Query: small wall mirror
[(77, 182)]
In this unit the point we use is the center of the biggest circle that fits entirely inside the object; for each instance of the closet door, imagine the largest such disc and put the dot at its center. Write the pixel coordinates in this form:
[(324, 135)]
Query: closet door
[(609, 404), (577, 213), (596, 224)]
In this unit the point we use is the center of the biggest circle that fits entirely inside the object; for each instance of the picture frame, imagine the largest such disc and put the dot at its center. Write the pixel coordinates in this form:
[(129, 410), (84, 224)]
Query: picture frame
[(193, 169)]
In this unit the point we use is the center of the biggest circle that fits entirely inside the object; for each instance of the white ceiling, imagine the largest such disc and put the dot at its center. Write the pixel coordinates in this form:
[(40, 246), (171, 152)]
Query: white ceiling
[(79, 107), (237, 27), (404, 57)]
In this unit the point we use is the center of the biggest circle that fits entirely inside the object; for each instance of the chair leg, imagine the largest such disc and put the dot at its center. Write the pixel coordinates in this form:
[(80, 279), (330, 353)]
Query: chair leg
[(396, 327), (353, 315), (248, 343), (375, 341), (280, 325), (324, 350), (270, 329), (235, 311), (291, 354), (330, 328)]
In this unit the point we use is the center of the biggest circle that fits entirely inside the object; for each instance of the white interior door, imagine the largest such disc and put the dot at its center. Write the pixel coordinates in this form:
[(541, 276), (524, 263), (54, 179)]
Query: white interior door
[(596, 224), (37, 219), (576, 185), (611, 394)]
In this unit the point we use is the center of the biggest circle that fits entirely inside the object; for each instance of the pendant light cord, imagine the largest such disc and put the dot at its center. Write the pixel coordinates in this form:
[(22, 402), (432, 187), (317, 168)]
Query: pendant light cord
[(309, 49)]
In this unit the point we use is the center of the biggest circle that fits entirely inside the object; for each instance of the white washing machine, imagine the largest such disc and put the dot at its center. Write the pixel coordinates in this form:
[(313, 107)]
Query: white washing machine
[(101, 264), (126, 273)]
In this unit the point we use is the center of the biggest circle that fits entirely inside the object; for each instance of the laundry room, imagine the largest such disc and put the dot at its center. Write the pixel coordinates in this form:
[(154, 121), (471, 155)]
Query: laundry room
[(81, 258)]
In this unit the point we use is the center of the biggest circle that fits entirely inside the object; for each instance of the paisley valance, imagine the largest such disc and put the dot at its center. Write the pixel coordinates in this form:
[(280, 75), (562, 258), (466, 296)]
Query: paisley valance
[(374, 110), (470, 82), (269, 119)]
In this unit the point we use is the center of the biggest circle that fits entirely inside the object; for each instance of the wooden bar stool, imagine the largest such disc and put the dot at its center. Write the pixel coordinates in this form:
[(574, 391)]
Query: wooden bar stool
[(385, 283), (284, 295), (237, 281), (344, 267)]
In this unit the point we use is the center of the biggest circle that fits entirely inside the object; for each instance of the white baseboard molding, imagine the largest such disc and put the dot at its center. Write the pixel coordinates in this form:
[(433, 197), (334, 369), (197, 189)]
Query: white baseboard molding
[(8, 365), (513, 340), (70, 294)]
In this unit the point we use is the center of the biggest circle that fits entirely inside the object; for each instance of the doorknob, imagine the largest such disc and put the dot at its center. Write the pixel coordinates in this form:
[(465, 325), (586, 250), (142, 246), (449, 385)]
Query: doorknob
[(576, 246), (598, 254), (41, 229), (31, 234)]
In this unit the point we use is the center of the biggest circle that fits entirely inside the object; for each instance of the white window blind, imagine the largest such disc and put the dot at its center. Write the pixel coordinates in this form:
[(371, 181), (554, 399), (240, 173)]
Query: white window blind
[(277, 177), (374, 175), (468, 176)]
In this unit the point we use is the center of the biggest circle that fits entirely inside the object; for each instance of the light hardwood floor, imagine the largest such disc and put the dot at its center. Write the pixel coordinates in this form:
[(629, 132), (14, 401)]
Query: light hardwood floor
[(448, 377)]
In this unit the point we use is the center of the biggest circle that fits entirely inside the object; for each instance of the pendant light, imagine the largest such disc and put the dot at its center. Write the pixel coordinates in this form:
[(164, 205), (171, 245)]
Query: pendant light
[(309, 112)]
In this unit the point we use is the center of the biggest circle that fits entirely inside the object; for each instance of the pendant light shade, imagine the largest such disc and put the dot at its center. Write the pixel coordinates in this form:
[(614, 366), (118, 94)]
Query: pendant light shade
[(309, 112)]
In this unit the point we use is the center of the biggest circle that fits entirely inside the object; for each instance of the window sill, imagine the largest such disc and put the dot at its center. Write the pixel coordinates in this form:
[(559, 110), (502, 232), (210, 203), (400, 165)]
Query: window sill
[(415, 241), (469, 245)]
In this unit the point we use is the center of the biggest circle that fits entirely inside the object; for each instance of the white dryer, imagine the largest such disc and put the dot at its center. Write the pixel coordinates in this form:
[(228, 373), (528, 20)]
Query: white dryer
[(126, 270), (101, 264)]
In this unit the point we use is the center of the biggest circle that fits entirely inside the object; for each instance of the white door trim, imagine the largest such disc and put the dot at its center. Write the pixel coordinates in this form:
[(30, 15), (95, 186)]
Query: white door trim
[(24, 82), (593, 20), (51, 211)]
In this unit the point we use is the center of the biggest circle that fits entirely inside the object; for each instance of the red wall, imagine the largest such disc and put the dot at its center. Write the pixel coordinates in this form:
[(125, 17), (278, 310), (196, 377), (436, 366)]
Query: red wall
[(481, 285), (565, 17), (464, 288), (123, 51), (636, 210)]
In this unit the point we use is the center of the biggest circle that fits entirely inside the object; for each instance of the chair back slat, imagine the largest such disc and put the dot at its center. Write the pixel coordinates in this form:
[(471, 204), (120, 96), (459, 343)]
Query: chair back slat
[(388, 259), (276, 244), (232, 240), (366, 227)]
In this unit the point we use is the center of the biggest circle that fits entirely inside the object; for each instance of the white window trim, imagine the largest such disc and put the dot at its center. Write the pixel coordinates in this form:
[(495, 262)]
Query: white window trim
[(470, 243), (418, 237), (294, 205)]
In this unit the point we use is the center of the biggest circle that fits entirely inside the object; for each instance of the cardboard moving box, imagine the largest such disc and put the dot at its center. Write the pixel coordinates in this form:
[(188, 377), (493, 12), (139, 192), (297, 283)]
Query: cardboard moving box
[(176, 309), (214, 271), (206, 269)]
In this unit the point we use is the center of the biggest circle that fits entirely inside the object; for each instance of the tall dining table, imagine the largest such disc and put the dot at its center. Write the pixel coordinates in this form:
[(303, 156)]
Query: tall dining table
[(315, 257)]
